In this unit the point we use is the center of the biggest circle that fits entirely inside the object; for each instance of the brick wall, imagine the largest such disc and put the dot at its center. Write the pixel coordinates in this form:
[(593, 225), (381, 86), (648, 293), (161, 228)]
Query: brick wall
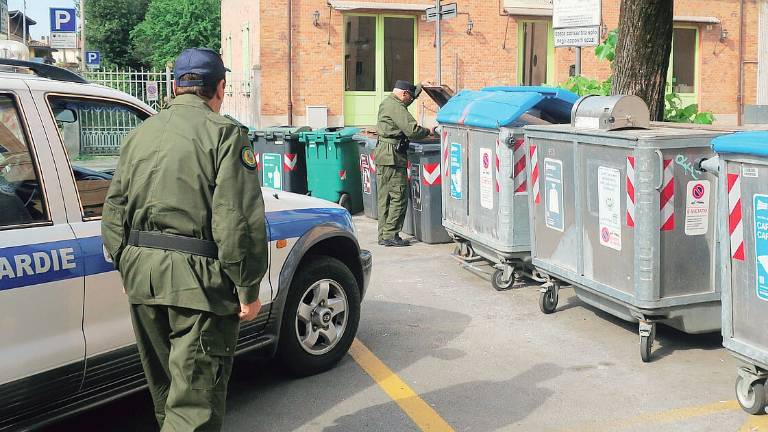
[(488, 56)]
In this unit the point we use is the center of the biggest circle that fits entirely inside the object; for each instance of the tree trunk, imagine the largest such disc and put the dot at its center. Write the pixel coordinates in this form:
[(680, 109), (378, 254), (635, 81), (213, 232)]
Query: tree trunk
[(643, 50)]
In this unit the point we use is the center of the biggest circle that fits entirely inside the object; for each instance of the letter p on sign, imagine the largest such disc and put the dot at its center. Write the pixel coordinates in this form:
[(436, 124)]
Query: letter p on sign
[(63, 20)]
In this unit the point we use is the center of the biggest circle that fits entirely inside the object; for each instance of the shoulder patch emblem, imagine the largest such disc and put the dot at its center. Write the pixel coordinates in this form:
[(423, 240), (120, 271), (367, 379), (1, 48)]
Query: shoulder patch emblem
[(248, 158)]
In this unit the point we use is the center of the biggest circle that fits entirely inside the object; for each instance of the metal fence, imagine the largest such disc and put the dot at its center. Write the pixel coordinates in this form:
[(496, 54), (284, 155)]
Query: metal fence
[(101, 131), (151, 87)]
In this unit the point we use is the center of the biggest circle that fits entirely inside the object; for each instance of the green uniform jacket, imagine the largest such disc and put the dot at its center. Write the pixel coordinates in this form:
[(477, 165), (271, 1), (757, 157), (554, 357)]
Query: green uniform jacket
[(396, 122), (188, 171)]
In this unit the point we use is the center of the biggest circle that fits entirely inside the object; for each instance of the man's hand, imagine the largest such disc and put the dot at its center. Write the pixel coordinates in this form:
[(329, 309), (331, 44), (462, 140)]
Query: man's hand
[(249, 311)]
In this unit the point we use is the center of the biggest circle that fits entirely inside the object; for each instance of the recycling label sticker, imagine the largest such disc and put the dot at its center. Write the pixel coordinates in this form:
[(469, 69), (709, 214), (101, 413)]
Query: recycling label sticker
[(365, 170), (553, 194), (760, 206), (456, 175), (609, 208), (272, 168)]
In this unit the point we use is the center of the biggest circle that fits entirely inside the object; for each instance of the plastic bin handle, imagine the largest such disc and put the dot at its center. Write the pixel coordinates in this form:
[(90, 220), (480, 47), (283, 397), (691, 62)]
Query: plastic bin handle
[(661, 170)]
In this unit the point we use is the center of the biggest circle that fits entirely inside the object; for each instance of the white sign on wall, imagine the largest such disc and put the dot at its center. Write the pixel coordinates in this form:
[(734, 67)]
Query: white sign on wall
[(577, 37), (576, 13), (63, 40)]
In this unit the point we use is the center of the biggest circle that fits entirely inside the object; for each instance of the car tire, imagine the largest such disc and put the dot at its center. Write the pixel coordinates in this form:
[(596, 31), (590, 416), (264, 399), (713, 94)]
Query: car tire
[(296, 351)]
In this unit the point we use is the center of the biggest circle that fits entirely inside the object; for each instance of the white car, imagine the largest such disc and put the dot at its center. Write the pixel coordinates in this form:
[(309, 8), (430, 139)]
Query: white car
[(66, 341)]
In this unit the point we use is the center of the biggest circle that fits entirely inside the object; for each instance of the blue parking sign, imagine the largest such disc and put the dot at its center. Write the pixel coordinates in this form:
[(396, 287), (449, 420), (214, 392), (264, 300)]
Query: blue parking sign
[(93, 59), (761, 244), (63, 20)]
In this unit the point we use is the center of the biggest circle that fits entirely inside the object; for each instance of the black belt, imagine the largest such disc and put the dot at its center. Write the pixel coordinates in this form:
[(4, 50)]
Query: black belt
[(172, 242)]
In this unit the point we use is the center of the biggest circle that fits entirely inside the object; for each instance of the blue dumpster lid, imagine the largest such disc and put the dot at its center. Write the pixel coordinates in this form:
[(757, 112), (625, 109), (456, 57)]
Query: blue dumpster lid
[(749, 143), (493, 107)]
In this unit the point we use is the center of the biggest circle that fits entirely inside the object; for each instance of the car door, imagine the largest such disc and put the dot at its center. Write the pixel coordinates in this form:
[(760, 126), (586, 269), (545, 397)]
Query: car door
[(42, 347), (86, 132)]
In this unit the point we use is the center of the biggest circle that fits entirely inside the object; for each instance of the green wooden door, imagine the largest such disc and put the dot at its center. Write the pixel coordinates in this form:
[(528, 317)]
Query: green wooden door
[(378, 51), (535, 53), (683, 72)]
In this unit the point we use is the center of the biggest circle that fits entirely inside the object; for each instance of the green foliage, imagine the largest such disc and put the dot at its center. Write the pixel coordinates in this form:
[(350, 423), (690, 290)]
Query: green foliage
[(607, 49), (170, 26), (109, 24), (674, 111), (584, 86)]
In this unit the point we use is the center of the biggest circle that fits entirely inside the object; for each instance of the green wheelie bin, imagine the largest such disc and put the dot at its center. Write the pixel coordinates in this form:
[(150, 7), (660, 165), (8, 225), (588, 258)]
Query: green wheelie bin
[(333, 166)]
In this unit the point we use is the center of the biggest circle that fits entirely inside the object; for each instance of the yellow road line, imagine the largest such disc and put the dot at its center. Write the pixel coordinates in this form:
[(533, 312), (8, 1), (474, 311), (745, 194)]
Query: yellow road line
[(426, 418), (755, 424), (663, 417)]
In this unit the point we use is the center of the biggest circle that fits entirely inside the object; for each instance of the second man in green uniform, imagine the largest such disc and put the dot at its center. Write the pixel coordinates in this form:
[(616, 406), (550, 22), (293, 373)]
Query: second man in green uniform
[(396, 128)]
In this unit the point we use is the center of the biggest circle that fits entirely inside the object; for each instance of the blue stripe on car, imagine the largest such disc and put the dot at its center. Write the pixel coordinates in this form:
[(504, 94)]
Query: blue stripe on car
[(40, 263)]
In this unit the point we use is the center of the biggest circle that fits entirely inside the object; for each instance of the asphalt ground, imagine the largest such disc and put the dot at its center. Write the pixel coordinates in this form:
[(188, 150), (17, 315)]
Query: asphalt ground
[(439, 350)]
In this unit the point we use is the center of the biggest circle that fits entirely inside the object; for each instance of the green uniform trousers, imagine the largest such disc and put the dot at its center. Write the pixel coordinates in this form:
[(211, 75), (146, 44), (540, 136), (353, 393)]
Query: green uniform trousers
[(187, 357), (392, 182)]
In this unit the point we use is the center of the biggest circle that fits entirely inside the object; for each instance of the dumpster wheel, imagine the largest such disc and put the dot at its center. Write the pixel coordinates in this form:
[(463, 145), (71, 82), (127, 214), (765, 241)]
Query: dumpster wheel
[(751, 396), (548, 297), (647, 336), (501, 284)]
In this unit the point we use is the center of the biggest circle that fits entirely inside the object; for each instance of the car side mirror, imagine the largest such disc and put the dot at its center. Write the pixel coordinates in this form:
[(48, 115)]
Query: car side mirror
[(66, 115)]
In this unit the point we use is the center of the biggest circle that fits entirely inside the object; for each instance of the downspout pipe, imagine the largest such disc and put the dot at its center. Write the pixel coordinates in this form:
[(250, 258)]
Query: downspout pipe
[(290, 62), (740, 98)]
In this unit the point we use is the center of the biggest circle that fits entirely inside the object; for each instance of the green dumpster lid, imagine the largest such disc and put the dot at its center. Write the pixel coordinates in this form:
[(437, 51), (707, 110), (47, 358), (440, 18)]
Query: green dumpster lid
[(330, 134)]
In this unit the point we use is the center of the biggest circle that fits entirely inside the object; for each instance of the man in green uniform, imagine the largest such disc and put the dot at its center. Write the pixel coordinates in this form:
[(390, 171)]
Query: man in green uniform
[(184, 224), (396, 127)]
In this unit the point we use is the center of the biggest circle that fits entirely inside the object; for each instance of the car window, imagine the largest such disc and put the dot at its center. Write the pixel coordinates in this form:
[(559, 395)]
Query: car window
[(92, 132), (21, 196)]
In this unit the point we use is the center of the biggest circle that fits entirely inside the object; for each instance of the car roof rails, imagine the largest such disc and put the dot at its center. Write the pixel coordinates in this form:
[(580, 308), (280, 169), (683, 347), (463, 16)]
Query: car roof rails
[(46, 71)]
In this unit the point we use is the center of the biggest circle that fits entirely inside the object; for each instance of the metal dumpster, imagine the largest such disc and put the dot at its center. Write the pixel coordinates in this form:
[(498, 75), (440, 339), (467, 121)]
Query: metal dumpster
[(281, 158), (743, 204), (367, 144), (485, 184), (425, 186), (625, 217)]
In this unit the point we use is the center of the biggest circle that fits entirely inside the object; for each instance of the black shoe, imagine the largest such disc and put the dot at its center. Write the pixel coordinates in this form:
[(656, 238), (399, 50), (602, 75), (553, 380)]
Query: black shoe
[(400, 242), (393, 243), (383, 242)]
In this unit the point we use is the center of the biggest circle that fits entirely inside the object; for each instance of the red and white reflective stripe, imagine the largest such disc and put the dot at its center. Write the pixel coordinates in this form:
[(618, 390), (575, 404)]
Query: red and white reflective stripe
[(372, 163), (408, 170), (630, 191), (289, 160), (343, 174), (667, 199), (535, 174), (446, 166), (258, 160), (518, 158), (497, 166), (431, 175), (735, 223)]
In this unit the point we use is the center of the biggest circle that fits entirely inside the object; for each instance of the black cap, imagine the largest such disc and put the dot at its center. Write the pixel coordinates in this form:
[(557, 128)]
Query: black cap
[(405, 85), (200, 61)]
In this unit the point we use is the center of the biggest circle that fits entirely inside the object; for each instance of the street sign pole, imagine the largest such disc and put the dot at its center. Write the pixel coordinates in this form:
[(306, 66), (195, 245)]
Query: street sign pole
[(438, 44), (82, 34), (577, 63)]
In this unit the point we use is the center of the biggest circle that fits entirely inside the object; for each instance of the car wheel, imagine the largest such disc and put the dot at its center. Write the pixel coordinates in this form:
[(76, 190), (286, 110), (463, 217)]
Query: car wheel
[(320, 317)]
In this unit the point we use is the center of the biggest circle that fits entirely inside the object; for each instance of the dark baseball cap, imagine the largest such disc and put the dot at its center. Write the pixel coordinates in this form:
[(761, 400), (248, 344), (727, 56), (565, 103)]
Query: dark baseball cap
[(405, 85), (200, 61)]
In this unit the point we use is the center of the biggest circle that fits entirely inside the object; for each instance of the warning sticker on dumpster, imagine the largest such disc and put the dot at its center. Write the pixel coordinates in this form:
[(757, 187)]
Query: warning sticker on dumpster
[(609, 209), (697, 207), (553, 194), (486, 178), (272, 168), (416, 186), (365, 171), (760, 206), (456, 180)]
